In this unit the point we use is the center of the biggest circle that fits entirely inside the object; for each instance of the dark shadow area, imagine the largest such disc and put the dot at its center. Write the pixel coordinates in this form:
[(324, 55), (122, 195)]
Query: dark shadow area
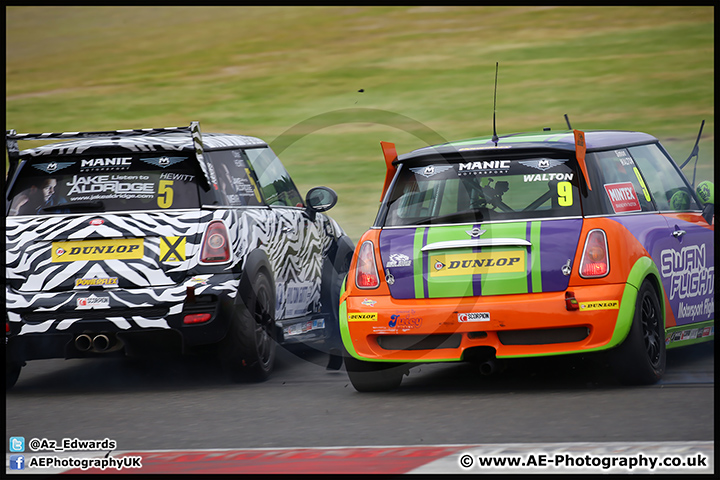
[(123, 374)]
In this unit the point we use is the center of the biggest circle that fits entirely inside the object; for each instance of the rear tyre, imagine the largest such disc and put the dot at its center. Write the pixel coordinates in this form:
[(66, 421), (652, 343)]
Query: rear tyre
[(250, 347), (374, 376), (12, 373), (640, 359)]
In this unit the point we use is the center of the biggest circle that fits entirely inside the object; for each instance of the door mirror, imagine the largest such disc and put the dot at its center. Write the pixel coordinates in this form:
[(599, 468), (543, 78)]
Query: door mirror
[(321, 199)]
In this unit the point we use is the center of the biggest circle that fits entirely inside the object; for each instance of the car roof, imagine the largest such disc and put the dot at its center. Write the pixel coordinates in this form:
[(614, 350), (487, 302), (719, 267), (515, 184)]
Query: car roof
[(560, 141), (149, 142)]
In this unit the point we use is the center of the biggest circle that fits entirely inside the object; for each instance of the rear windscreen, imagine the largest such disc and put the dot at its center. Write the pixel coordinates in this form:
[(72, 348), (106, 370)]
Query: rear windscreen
[(53, 185), (483, 190)]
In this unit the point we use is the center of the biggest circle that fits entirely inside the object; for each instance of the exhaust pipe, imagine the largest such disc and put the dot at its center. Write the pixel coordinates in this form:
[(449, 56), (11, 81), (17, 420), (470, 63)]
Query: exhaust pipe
[(100, 343), (83, 343), (488, 367)]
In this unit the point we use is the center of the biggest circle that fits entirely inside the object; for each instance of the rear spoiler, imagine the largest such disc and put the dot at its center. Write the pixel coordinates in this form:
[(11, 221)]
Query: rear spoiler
[(12, 137), (580, 149), (390, 154)]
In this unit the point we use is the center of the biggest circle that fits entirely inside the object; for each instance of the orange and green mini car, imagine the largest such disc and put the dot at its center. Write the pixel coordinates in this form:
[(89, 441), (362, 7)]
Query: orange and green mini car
[(530, 245)]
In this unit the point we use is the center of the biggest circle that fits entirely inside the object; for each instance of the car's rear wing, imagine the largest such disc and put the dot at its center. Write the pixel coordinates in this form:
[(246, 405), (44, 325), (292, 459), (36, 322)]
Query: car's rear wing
[(12, 138)]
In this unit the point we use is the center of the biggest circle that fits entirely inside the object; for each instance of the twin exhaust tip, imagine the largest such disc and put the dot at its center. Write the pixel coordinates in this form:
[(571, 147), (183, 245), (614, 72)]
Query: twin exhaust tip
[(98, 343)]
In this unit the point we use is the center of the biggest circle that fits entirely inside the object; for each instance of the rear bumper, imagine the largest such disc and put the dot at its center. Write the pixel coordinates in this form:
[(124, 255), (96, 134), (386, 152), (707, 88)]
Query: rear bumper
[(135, 322), (432, 330)]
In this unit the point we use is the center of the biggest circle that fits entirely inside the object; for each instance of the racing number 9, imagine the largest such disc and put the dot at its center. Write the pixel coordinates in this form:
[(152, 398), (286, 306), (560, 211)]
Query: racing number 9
[(564, 190), (165, 194)]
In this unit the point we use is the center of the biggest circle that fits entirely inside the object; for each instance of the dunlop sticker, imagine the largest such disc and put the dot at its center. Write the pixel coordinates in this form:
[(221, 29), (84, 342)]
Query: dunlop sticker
[(600, 305), (477, 263), (93, 250), (362, 317)]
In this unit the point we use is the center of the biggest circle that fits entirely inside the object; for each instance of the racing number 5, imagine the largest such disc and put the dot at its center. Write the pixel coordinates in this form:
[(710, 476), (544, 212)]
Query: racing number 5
[(165, 194), (564, 190)]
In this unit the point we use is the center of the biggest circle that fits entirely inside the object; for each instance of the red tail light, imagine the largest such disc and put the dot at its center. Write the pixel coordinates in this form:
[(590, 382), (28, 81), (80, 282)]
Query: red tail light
[(571, 302), (366, 275), (216, 247), (196, 318), (595, 262)]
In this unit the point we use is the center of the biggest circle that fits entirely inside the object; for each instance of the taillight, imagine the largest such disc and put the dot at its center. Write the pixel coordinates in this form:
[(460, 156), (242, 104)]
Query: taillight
[(196, 318), (366, 274), (571, 302), (216, 247), (595, 261)]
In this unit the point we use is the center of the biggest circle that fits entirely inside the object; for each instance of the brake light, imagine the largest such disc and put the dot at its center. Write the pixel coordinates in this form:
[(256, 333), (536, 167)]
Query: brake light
[(366, 274), (595, 261), (216, 247)]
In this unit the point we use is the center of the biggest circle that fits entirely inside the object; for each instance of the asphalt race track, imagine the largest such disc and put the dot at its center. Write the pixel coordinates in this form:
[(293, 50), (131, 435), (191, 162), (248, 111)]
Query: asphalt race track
[(553, 415)]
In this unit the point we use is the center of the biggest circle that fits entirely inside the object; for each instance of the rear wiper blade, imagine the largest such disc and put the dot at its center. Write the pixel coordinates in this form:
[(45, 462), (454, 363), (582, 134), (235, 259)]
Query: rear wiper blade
[(95, 205)]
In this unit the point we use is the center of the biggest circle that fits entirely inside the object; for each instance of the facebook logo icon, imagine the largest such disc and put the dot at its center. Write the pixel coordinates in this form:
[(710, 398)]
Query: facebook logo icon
[(17, 462)]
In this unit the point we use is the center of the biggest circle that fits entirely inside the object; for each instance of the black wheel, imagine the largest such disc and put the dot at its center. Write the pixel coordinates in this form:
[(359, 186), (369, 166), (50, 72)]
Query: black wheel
[(250, 347), (12, 372), (640, 359), (374, 376), (330, 298)]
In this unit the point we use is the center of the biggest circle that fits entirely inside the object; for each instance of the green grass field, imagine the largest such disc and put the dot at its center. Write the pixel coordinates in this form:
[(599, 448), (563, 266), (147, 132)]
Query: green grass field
[(292, 76)]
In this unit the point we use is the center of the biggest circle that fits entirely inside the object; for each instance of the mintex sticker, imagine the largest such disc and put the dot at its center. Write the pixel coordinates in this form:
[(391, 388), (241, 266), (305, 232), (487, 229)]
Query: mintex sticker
[(474, 317), (623, 197), (93, 250), (362, 317), (600, 305)]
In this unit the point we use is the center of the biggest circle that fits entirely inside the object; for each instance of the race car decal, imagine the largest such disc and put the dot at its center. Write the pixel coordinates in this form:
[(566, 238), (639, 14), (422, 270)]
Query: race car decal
[(534, 264), (94, 282), (623, 197), (362, 317), (39, 277), (473, 317), (172, 249), (686, 262), (115, 249), (600, 305), (495, 261)]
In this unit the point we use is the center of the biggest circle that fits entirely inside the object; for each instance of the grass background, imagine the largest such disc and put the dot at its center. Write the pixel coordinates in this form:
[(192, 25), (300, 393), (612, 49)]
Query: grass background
[(292, 76)]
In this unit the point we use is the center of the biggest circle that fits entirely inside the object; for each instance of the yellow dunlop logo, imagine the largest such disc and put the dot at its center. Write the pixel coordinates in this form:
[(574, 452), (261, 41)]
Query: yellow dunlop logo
[(600, 305), (477, 263), (111, 249), (172, 249), (362, 317)]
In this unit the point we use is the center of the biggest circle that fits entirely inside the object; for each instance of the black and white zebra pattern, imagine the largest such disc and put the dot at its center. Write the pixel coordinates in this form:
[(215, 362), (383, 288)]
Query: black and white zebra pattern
[(294, 246)]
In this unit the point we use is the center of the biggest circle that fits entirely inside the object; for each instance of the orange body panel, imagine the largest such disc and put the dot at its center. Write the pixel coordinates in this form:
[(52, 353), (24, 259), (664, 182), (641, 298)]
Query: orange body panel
[(532, 311)]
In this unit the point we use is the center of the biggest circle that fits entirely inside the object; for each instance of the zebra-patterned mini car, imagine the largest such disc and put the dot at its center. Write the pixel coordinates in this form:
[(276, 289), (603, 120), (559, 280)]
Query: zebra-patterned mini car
[(135, 241)]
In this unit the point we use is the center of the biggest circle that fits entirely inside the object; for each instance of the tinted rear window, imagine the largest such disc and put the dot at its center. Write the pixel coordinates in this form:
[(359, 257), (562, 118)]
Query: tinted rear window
[(484, 190), (52, 185)]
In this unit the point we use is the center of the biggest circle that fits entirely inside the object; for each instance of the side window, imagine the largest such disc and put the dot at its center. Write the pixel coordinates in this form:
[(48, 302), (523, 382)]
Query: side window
[(668, 188), (276, 185), (622, 188), (235, 181)]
